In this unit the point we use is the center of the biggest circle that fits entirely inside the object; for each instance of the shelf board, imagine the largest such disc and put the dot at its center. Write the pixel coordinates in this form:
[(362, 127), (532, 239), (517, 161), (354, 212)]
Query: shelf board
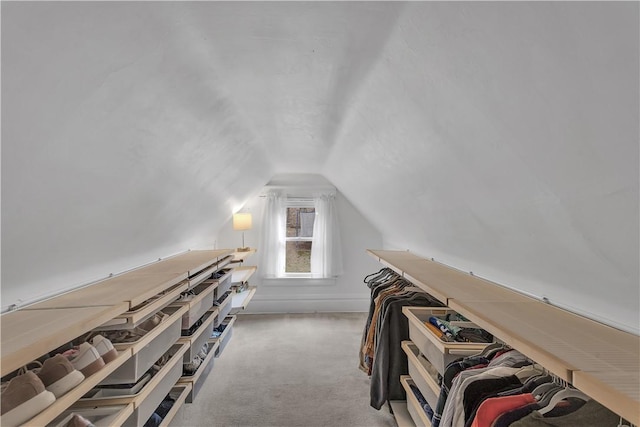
[(241, 256), (190, 262), (242, 274), (444, 282), (68, 399), (241, 299), (28, 334), (620, 389)]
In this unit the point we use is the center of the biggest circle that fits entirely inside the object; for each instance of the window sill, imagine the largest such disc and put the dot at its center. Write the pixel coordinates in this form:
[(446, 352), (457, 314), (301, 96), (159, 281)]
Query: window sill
[(298, 281)]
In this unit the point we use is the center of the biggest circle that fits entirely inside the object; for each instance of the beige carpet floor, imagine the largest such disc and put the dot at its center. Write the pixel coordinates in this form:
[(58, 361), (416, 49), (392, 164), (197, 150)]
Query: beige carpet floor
[(288, 370)]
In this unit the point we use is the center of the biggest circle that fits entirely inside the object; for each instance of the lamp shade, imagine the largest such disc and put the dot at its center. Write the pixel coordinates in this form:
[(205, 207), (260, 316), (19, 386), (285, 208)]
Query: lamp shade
[(242, 221)]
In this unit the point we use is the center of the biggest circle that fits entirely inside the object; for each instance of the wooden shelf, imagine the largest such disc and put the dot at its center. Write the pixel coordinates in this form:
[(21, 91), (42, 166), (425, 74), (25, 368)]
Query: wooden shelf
[(575, 348), (65, 401), (241, 256), (191, 262), (33, 331), (242, 299), (619, 391), (28, 334), (133, 288), (443, 282), (242, 274)]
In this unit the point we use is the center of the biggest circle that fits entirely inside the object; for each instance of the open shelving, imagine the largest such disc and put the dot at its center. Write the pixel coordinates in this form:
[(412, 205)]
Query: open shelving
[(598, 359)]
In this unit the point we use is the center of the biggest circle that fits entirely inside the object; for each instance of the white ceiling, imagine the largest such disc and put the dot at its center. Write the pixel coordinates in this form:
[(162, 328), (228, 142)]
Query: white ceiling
[(500, 137)]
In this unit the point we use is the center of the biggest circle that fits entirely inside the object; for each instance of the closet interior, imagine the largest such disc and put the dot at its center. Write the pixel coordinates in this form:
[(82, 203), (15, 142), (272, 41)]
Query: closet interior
[(565, 357), (166, 323)]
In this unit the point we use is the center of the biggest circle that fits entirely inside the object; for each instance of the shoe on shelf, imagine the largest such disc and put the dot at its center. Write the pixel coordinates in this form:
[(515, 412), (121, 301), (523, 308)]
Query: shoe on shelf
[(58, 375), (123, 336), (187, 296), (78, 420), (105, 348), (191, 367), (202, 354), (23, 398), (151, 322), (85, 358)]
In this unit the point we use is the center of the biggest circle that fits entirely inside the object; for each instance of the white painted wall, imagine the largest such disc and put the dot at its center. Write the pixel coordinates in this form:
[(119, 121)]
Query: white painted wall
[(118, 145), (504, 138), (498, 137), (347, 293)]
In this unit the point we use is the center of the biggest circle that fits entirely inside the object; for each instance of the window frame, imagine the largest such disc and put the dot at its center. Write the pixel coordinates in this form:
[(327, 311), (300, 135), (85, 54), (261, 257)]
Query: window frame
[(297, 202)]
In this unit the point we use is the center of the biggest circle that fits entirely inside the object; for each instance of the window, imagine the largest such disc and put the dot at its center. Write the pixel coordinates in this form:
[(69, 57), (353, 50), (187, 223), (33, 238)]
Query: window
[(299, 239)]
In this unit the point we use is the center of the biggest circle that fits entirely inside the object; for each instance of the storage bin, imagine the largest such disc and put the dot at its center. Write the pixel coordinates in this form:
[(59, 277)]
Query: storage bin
[(179, 394), (413, 406), (198, 379), (199, 336), (100, 416), (150, 396), (198, 305), (148, 348), (224, 307), (439, 353), (224, 282), (142, 312), (423, 374), (224, 340)]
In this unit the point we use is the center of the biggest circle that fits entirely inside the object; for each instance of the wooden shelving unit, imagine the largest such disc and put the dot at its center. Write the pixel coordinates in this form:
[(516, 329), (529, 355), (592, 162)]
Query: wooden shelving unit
[(119, 301), (602, 361)]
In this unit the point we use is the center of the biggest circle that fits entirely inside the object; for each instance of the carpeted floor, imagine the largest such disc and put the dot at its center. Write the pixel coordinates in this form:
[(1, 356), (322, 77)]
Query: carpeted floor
[(288, 370)]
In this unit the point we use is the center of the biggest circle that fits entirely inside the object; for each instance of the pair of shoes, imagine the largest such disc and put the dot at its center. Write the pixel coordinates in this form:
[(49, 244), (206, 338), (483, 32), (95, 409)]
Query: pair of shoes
[(151, 323), (191, 367), (79, 421), (105, 348), (57, 374), (187, 296), (22, 398), (161, 362), (192, 329), (123, 336), (85, 358), (202, 354)]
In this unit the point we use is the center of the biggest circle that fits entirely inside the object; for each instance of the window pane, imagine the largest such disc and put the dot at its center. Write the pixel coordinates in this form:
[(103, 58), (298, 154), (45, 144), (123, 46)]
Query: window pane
[(298, 257), (300, 222)]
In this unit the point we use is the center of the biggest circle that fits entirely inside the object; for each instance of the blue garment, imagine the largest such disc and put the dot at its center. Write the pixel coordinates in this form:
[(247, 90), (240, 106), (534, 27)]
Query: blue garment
[(422, 401), (154, 421)]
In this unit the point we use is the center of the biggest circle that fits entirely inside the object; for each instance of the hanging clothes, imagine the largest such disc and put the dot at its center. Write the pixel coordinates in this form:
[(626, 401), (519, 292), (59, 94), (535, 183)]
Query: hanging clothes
[(381, 355)]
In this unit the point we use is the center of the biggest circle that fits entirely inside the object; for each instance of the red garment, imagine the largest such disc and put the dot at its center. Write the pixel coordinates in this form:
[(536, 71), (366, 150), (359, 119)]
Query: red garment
[(492, 408)]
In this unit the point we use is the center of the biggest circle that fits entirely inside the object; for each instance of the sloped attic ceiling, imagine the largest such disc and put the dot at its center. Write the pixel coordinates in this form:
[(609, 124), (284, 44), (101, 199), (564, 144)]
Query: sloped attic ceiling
[(498, 137)]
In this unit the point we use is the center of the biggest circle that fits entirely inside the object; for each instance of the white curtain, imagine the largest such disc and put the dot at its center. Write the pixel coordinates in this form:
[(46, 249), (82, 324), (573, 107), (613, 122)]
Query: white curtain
[(326, 249), (272, 238)]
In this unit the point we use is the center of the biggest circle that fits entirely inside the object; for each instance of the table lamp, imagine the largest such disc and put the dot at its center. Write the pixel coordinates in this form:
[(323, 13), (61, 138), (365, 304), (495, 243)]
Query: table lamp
[(242, 222)]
